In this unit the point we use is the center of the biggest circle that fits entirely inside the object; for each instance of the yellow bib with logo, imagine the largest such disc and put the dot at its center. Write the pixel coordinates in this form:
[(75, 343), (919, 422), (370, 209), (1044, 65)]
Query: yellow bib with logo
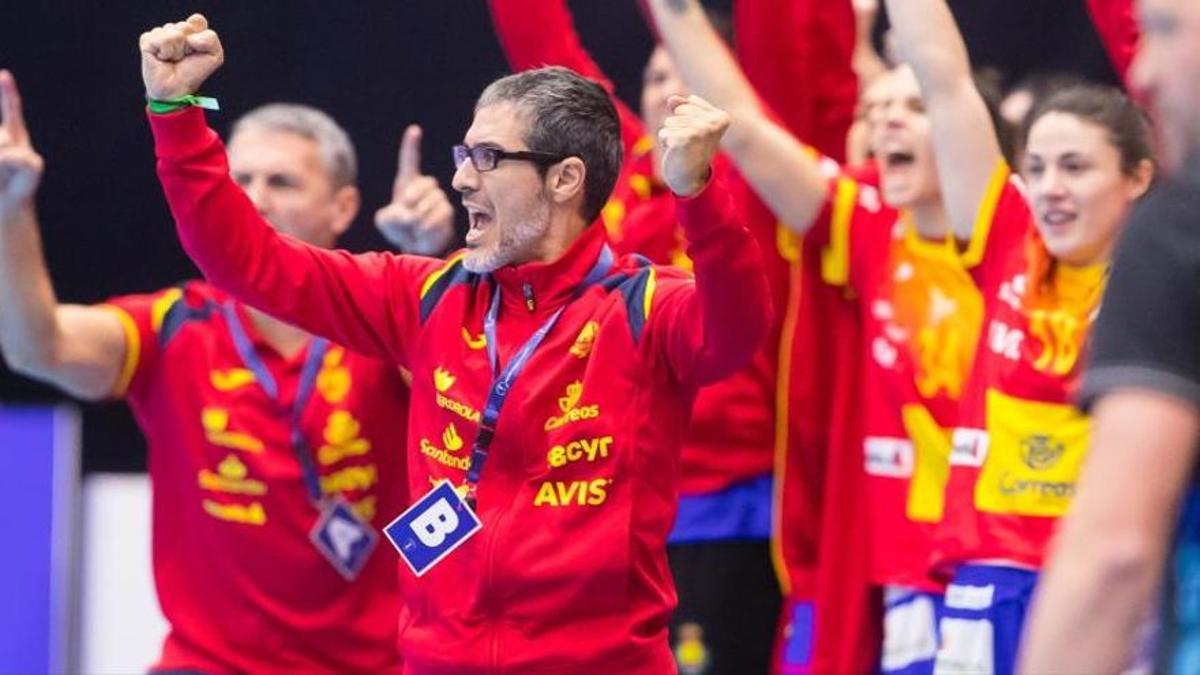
[(1035, 453)]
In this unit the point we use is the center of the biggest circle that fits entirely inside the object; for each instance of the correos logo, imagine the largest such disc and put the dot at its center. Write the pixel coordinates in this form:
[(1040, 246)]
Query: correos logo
[(572, 411), (1041, 452)]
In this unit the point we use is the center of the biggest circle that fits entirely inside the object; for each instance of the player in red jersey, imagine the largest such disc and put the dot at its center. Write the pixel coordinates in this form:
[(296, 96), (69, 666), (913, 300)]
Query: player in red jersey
[(719, 548), (552, 555), (274, 456), (1041, 261), (1127, 549), (919, 309)]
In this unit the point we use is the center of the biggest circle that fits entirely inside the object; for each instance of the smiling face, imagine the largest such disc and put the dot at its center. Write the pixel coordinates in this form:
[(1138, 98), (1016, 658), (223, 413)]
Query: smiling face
[(508, 207), (1079, 193), (902, 140), (284, 176), (1167, 70)]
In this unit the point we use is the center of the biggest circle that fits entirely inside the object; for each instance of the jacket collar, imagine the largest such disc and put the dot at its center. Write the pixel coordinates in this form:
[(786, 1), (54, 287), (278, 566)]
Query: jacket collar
[(540, 287)]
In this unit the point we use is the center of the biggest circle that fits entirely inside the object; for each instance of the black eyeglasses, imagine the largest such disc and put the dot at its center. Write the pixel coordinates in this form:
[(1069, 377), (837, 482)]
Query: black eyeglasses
[(485, 158)]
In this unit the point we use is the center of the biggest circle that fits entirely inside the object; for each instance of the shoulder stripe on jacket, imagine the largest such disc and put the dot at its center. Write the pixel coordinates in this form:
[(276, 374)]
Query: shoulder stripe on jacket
[(436, 285)]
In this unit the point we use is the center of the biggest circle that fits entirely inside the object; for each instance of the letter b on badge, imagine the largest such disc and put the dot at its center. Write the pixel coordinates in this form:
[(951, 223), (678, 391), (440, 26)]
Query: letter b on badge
[(432, 528)]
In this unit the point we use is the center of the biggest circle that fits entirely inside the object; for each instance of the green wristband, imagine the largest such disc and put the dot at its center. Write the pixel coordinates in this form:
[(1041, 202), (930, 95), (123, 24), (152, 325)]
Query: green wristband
[(162, 107)]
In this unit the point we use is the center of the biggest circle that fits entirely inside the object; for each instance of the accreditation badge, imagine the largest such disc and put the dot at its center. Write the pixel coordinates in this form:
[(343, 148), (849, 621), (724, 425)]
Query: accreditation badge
[(432, 528), (344, 538)]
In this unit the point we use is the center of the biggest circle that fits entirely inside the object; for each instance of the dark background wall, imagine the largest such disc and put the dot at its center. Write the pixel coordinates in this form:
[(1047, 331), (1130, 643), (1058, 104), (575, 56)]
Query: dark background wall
[(375, 66)]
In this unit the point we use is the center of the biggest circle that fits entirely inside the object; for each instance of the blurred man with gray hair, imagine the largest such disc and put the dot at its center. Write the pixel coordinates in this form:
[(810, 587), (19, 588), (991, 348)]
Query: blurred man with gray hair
[(274, 456)]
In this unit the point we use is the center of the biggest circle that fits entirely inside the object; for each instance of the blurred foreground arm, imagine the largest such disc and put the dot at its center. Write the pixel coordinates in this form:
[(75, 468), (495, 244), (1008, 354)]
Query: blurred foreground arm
[(1104, 572)]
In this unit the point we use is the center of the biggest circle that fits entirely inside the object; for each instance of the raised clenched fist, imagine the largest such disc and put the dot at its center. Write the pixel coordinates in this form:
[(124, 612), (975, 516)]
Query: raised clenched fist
[(20, 166), (178, 57), (689, 140), (420, 218)]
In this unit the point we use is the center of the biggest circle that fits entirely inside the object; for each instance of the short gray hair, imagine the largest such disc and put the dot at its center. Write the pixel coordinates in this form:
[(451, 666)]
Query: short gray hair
[(333, 143), (569, 116)]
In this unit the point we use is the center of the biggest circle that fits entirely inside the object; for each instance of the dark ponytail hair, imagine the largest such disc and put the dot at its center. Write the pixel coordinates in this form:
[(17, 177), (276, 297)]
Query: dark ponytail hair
[(1127, 126)]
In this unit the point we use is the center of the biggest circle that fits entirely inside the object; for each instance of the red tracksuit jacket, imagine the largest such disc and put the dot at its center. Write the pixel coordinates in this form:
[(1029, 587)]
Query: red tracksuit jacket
[(730, 437), (569, 572)]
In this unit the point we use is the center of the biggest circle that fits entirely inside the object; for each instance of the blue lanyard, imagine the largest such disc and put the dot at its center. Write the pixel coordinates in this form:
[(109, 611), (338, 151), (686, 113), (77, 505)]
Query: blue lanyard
[(502, 384), (308, 377)]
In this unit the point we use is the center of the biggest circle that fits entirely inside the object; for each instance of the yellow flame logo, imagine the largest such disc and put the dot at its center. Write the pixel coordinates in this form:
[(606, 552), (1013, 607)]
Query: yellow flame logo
[(451, 440)]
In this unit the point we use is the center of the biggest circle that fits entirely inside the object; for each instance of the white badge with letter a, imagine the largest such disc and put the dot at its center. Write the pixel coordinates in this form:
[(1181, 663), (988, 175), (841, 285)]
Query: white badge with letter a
[(432, 528)]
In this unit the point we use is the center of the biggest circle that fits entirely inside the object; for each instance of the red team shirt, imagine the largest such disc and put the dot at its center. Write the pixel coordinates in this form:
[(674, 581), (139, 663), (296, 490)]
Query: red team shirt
[(238, 579), (919, 314), (1021, 442)]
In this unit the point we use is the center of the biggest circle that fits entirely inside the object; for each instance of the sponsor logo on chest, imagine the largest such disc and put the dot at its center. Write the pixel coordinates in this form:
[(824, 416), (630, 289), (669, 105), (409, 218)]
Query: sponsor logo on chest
[(572, 411)]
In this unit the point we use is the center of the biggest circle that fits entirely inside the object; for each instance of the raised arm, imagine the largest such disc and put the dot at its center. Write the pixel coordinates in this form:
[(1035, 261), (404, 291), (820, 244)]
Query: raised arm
[(782, 170), (867, 63), (80, 350), (536, 33), (965, 144), (710, 329), (366, 302)]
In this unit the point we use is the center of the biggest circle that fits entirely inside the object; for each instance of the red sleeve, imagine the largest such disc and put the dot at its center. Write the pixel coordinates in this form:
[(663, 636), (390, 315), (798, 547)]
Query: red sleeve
[(766, 229), (367, 302), (817, 51), (1117, 26), (713, 327), (536, 33), (141, 319), (853, 229)]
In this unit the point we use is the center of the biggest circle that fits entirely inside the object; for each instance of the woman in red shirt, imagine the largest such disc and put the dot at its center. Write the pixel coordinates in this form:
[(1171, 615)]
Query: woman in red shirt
[(1040, 252)]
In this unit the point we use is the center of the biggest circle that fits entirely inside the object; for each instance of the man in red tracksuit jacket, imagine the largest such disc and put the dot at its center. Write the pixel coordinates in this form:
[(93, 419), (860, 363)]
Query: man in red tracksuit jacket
[(719, 546), (569, 572)]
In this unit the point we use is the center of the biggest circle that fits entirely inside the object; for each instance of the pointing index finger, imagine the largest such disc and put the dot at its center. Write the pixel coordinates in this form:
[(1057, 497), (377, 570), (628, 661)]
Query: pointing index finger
[(410, 157)]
